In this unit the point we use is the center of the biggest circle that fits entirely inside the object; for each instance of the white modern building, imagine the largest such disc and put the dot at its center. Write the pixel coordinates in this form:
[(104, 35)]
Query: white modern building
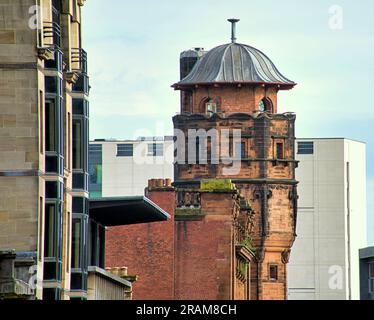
[(331, 223), (122, 167)]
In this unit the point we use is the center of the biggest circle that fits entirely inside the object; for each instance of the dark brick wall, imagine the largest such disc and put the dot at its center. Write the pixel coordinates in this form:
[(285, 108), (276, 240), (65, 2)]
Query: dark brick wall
[(147, 250)]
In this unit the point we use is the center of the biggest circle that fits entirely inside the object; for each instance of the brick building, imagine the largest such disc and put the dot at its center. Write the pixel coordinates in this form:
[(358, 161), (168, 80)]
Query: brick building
[(234, 199)]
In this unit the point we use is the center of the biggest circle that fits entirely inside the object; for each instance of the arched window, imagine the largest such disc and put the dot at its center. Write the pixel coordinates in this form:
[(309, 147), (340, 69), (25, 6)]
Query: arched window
[(265, 105), (210, 107)]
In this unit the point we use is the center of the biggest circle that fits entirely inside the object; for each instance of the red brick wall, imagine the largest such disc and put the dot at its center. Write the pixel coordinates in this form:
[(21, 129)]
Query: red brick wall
[(204, 251), (233, 99), (147, 250)]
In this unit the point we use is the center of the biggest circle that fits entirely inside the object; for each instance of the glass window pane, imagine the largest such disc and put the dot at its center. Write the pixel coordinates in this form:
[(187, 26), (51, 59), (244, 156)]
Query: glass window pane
[(371, 285), (77, 144), (51, 189), (280, 151), (50, 231), (371, 270), (51, 84), (78, 106), (305, 148), (125, 150), (273, 272), (76, 244), (50, 126), (261, 106), (156, 149)]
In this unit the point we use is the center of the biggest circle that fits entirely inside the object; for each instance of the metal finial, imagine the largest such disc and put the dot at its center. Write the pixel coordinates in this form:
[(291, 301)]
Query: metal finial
[(233, 29)]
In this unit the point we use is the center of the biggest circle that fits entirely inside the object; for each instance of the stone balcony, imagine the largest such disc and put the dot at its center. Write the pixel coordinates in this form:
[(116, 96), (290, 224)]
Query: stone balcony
[(12, 287), (104, 285)]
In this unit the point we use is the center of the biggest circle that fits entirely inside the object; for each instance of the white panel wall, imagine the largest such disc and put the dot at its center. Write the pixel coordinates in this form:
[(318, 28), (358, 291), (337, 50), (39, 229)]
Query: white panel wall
[(320, 256), (128, 176)]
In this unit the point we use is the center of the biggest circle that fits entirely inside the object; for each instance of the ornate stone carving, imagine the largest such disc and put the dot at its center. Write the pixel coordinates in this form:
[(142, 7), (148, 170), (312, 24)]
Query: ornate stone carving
[(189, 199), (286, 256)]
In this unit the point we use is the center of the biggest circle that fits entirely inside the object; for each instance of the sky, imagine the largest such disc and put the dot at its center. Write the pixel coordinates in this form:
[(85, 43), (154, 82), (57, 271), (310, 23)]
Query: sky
[(327, 47)]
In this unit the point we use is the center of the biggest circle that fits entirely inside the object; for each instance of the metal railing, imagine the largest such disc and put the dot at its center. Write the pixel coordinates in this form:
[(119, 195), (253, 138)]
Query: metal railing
[(79, 60), (52, 30)]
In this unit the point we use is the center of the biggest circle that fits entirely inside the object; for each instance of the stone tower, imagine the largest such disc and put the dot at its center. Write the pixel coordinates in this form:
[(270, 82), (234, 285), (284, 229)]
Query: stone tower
[(235, 216)]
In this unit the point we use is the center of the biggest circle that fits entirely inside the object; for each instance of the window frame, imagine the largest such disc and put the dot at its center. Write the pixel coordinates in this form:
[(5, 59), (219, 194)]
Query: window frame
[(371, 276), (304, 147), (154, 152), (273, 266), (125, 153), (277, 155)]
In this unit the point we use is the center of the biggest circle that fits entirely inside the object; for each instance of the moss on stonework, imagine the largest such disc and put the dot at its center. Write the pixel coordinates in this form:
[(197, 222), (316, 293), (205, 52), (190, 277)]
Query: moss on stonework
[(188, 211), (248, 244), (214, 185)]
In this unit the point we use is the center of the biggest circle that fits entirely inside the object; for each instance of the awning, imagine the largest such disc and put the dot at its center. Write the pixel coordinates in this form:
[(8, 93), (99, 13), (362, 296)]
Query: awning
[(125, 211)]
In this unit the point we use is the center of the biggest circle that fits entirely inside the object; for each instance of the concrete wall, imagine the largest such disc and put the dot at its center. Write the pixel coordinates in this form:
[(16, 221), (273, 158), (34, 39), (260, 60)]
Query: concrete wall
[(128, 176), (326, 248)]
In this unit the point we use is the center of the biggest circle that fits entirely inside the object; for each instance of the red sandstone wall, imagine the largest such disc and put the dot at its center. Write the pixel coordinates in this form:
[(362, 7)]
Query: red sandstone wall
[(147, 251), (244, 99), (204, 251)]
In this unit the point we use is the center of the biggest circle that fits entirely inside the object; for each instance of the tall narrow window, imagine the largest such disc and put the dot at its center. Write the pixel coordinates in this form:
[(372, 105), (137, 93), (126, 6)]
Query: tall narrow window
[(41, 124), (50, 236), (280, 153), (95, 168), (371, 277), (68, 143), (76, 244), (210, 107), (265, 105), (41, 225), (68, 224), (240, 150), (102, 246), (261, 106), (273, 272), (77, 144), (50, 126)]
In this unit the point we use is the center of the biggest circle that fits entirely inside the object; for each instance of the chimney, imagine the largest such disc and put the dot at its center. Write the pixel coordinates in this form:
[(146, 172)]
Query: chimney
[(188, 60)]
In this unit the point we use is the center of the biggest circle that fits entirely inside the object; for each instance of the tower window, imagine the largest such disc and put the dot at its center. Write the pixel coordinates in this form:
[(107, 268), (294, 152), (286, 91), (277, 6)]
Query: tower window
[(273, 272), (261, 106), (265, 105), (280, 153), (240, 150), (210, 107)]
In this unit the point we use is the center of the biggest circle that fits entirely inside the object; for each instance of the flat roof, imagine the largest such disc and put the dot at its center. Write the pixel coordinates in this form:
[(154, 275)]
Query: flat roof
[(366, 253), (139, 139), (331, 139), (125, 211)]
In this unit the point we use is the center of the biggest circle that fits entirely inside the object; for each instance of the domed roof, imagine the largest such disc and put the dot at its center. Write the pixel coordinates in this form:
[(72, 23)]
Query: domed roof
[(235, 63)]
